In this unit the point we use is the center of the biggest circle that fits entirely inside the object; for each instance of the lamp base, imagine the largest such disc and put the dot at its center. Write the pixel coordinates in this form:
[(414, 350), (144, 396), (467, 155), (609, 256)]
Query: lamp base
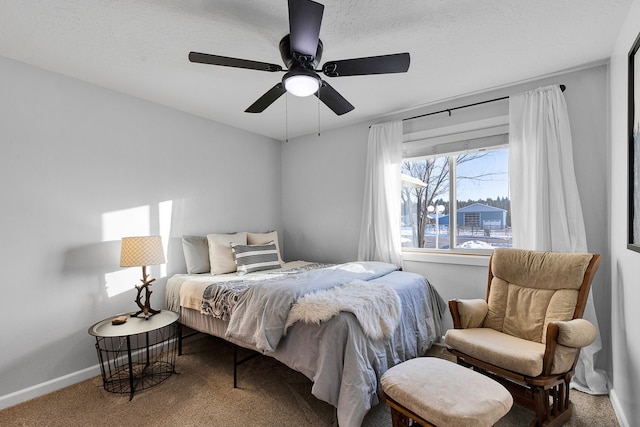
[(145, 309), (146, 314)]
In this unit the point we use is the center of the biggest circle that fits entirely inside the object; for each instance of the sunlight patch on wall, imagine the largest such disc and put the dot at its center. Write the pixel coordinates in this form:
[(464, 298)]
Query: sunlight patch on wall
[(122, 280), (165, 209), (145, 220)]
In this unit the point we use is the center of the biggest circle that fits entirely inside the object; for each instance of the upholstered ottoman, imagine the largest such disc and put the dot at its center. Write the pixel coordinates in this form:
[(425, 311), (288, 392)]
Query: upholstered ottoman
[(435, 392)]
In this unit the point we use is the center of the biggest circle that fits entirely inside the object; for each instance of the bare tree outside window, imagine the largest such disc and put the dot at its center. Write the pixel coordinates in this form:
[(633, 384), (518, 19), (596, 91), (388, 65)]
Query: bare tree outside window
[(434, 172)]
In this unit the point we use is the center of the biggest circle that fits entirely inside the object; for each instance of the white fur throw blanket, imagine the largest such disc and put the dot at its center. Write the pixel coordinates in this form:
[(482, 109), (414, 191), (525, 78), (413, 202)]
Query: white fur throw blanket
[(376, 306)]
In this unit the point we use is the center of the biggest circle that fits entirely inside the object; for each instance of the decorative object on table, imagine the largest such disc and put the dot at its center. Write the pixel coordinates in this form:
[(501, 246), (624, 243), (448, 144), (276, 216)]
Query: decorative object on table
[(119, 320), (141, 252)]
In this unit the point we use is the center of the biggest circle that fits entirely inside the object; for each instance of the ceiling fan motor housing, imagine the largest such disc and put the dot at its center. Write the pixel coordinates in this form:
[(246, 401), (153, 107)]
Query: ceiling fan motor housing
[(296, 60)]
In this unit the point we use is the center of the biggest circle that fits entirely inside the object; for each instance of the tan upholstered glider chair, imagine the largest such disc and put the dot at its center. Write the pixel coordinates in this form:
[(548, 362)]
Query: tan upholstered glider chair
[(528, 333)]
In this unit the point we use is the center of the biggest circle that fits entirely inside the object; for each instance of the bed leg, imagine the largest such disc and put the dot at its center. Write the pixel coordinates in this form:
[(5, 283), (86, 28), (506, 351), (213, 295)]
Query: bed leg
[(237, 363), (235, 366)]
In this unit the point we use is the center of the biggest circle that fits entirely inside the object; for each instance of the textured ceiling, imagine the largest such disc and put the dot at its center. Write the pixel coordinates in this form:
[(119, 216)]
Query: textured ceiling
[(457, 47)]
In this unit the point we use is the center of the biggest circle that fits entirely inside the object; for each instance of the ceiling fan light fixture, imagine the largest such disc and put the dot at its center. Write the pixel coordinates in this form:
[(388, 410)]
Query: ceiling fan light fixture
[(301, 51), (301, 83)]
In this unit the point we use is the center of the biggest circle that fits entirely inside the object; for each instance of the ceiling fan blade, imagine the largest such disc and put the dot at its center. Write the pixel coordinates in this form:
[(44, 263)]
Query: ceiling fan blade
[(385, 64), (305, 17), (333, 99), (205, 58), (267, 99)]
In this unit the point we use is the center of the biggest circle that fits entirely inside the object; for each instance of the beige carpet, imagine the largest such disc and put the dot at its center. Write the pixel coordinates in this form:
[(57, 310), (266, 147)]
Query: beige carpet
[(268, 394)]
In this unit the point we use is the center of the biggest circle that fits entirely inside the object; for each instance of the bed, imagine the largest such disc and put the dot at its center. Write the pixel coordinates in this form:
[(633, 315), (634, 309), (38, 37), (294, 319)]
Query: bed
[(316, 319)]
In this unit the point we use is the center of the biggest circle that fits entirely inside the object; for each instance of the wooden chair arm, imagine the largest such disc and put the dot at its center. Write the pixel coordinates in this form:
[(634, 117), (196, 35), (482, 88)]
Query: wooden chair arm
[(550, 348), (576, 333), (468, 313), (455, 314)]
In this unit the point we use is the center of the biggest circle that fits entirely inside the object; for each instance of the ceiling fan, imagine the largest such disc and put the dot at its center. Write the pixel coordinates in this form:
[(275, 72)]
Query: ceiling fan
[(301, 51)]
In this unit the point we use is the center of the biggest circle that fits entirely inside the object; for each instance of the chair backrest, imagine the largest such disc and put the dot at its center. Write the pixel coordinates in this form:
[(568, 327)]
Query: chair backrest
[(529, 289)]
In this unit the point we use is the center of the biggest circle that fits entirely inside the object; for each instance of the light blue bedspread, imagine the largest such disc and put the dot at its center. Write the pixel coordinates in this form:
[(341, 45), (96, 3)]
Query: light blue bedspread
[(260, 314)]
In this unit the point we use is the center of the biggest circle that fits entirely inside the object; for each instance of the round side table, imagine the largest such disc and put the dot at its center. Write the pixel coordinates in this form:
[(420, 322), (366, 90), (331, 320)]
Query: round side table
[(137, 354)]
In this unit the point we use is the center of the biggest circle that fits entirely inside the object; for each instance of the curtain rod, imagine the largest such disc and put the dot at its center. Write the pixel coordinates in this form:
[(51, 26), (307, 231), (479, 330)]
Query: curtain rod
[(449, 110)]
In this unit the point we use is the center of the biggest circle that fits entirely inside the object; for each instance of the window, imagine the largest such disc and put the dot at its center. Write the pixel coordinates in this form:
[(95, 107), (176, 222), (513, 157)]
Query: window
[(475, 175)]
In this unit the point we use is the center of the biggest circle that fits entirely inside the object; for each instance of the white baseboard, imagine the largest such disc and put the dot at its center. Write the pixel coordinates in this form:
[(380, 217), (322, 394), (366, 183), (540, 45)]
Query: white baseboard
[(617, 409), (48, 386)]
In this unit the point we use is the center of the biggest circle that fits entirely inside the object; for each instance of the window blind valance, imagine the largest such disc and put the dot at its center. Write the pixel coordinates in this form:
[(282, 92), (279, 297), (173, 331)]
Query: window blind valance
[(471, 136), (450, 148)]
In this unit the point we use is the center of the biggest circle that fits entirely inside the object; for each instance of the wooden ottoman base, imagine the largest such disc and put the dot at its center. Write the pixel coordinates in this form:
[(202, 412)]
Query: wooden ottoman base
[(434, 392)]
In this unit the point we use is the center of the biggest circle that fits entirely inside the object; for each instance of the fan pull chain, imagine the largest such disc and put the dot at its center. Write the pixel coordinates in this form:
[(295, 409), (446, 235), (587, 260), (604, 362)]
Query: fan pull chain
[(286, 117), (319, 87)]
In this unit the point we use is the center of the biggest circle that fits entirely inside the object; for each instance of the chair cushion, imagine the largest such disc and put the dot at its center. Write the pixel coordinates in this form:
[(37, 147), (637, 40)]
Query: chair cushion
[(525, 312), (500, 349), (472, 312), (542, 270), (530, 289), (446, 394)]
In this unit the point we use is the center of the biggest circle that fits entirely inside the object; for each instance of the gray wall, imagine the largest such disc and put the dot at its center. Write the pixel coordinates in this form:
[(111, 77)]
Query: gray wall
[(323, 181), (77, 158), (625, 263)]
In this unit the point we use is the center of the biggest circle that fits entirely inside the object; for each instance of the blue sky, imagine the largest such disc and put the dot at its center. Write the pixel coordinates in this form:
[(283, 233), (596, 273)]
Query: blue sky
[(495, 162)]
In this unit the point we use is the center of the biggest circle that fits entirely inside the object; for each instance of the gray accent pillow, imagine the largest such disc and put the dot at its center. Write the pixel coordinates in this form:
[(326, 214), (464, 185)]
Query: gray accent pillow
[(196, 254), (263, 239), (250, 258)]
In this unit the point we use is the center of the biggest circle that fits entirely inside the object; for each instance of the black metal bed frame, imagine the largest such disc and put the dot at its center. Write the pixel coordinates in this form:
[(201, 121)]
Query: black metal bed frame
[(236, 362)]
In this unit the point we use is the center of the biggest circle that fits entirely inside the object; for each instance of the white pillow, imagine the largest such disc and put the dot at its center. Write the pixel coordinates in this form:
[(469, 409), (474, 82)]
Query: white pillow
[(263, 239), (250, 258), (220, 255)]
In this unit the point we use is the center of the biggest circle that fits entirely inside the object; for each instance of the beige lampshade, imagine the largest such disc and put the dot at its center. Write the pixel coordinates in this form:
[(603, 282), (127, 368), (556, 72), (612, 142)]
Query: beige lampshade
[(141, 251)]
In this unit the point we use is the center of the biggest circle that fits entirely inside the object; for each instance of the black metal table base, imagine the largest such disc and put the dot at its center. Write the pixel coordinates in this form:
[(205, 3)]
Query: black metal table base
[(137, 362)]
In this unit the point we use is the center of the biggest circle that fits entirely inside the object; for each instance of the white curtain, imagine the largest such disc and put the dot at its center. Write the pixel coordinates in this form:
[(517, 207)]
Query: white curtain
[(380, 229), (545, 199)]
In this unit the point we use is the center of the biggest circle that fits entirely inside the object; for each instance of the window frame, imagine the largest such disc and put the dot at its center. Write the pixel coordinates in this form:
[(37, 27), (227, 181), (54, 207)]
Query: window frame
[(459, 139)]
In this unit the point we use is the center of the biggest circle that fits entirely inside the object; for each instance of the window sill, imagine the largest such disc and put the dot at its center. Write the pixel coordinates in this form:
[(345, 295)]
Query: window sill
[(481, 260)]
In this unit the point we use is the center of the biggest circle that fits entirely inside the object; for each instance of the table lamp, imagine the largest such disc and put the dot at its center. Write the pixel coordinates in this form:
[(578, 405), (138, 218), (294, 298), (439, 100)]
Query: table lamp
[(141, 252)]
